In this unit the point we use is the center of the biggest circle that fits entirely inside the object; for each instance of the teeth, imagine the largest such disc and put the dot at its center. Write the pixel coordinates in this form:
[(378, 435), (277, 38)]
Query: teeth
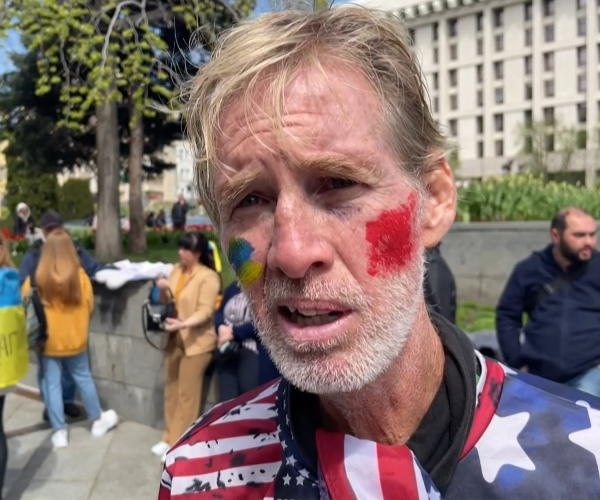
[(314, 320), (292, 309), (308, 312)]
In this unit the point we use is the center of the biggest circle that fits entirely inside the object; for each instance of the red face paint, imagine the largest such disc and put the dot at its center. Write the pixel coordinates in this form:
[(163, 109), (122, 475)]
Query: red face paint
[(391, 239)]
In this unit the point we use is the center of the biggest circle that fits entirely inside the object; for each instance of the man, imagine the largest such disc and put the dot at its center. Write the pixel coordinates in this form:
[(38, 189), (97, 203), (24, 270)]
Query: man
[(324, 177), (50, 221), (179, 214), (558, 290), (440, 287)]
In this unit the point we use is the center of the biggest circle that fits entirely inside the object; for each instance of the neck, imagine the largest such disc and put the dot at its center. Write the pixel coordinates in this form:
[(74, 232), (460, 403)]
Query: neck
[(390, 409), (560, 258)]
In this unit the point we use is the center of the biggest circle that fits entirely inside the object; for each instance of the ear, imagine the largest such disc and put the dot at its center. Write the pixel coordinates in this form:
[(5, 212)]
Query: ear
[(554, 235), (440, 202)]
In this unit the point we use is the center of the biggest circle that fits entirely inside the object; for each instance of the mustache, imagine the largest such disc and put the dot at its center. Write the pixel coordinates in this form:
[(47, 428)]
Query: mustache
[(315, 288)]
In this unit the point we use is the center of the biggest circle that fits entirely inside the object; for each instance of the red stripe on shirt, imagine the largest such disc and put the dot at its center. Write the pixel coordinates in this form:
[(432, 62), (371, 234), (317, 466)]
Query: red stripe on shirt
[(330, 449)]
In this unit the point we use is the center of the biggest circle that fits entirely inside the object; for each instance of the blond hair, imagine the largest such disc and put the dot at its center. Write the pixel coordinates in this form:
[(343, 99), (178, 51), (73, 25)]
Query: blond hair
[(5, 258), (57, 275), (272, 49)]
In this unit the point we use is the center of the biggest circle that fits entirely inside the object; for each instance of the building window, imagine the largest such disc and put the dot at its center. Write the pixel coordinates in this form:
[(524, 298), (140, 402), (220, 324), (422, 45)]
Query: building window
[(498, 70), (528, 37), (581, 84), (436, 81), (548, 116), (549, 61), (480, 124), (480, 149), (582, 112), (499, 147), (548, 8), (453, 52), (499, 95), (528, 65), (549, 142), (528, 8), (436, 105), (453, 77), (581, 56), (528, 92), (581, 139), (436, 55), (480, 98), (453, 102), (549, 33), (499, 123), (581, 26), (435, 29), (451, 28), (453, 125), (479, 73), (479, 22), (528, 117), (498, 16), (480, 46), (549, 88), (499, 42), (581, 4)]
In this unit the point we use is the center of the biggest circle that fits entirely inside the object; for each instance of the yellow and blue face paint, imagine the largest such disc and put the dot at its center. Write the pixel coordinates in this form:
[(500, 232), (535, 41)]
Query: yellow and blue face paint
[(240, 254)]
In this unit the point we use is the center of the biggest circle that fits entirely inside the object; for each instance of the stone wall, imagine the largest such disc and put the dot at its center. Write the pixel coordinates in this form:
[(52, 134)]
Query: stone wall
[(482, 255)]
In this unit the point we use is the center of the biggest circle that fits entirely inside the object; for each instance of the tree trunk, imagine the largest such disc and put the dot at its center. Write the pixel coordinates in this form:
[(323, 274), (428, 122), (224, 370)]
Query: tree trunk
[(137, 230), (108, 237)]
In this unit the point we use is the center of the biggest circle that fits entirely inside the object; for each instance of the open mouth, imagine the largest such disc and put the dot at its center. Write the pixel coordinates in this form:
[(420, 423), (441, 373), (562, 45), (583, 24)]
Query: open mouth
[(309, 317)]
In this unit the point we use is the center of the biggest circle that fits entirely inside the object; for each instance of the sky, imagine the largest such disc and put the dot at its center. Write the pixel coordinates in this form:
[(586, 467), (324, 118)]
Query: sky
[(12, 43)]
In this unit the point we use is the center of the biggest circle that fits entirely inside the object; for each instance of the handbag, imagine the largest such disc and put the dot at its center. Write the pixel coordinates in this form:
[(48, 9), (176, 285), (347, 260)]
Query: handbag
[(227, 351), (154, 315)]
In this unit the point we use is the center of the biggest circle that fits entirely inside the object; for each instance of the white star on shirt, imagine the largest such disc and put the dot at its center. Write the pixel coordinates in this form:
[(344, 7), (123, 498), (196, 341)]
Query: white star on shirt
[(499, 446), (286, 479), (279, 428), (299, 481), (291, 460), (304, 473), (287, 420), (589, 439), (284, 445)]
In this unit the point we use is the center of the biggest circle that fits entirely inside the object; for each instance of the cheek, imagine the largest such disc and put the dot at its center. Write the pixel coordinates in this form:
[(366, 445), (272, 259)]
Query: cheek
[(240, 255), (391, 239)]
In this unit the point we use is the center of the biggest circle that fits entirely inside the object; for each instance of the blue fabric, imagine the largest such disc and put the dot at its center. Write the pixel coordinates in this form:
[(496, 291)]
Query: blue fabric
[(563, 331), (588, 381), (240, 332), (51, 387), (68, 385), (10, 288)]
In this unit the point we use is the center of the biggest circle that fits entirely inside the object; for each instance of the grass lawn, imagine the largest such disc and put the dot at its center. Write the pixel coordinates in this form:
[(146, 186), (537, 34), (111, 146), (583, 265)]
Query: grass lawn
[(472, 317)]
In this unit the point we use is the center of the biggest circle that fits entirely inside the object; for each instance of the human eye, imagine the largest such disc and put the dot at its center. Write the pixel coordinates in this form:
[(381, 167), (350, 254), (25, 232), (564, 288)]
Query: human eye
[(250, 201), (335, 183)]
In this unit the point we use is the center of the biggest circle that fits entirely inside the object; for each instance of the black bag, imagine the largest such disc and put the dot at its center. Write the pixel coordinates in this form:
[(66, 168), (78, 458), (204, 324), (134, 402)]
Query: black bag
[(37, 328), (154, 315), (227, 351)]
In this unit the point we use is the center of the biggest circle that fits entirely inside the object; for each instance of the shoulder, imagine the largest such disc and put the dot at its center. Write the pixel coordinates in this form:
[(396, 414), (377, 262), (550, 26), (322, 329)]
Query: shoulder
[(207, 274), (233, 435)]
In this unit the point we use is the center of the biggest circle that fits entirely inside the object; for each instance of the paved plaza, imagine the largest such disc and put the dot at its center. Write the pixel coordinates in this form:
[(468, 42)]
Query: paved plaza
[(118, 466)]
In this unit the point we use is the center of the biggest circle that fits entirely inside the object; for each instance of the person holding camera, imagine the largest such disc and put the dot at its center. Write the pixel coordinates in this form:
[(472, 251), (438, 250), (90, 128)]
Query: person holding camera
[(194, 286)]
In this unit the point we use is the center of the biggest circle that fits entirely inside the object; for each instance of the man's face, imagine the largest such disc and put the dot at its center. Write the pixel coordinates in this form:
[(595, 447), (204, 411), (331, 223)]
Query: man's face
[(322, 228), (579, 238)]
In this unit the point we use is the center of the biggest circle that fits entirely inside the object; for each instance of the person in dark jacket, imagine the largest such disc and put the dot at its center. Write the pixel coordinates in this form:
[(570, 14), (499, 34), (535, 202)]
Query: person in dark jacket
[(179, 214), (23, 220), (50, 221), (558, 288), (238, 374), (440, 287)]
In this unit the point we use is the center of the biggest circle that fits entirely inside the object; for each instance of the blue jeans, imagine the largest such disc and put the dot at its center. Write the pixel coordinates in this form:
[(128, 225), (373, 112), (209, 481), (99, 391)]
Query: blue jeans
[(68, 385), (588, 381), (51, 387)]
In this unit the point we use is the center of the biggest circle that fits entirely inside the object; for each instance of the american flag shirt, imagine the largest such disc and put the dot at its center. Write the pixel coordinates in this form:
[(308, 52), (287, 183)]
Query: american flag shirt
[(530, 439)]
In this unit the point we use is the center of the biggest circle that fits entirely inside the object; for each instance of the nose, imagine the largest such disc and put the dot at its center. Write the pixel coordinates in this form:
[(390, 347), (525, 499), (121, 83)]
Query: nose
[(299, 244)]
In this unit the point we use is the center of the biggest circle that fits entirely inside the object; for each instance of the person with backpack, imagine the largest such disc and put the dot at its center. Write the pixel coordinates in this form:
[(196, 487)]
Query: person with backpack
[(50, 222), (14, 359), (65, 291)]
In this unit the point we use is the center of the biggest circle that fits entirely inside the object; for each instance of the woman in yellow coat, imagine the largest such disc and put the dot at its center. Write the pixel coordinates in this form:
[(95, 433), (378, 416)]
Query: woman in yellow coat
[(195, 285), (66, 294)]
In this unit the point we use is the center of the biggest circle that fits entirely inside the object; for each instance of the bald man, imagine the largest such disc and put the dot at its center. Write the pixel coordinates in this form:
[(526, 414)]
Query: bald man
[(559, 290)]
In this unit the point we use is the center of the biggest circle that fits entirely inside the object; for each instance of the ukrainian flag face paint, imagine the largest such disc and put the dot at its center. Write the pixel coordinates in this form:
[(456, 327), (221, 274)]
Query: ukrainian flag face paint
[(240, 254)]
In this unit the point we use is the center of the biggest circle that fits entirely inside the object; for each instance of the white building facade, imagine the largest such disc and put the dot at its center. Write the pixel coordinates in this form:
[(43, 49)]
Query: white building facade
[(493, 65)]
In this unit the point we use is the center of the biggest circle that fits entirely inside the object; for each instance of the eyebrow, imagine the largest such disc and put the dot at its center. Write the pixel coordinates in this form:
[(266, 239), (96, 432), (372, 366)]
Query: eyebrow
[(236, 186)]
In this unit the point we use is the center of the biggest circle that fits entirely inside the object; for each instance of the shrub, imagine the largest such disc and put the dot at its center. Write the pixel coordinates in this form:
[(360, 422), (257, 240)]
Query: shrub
[(521, 198), (39, 192), (75, 200)]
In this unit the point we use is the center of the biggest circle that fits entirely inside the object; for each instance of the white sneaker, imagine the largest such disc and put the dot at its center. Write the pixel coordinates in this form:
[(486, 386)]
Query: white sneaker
[(107, 421), (160, 449), (60, 438)]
